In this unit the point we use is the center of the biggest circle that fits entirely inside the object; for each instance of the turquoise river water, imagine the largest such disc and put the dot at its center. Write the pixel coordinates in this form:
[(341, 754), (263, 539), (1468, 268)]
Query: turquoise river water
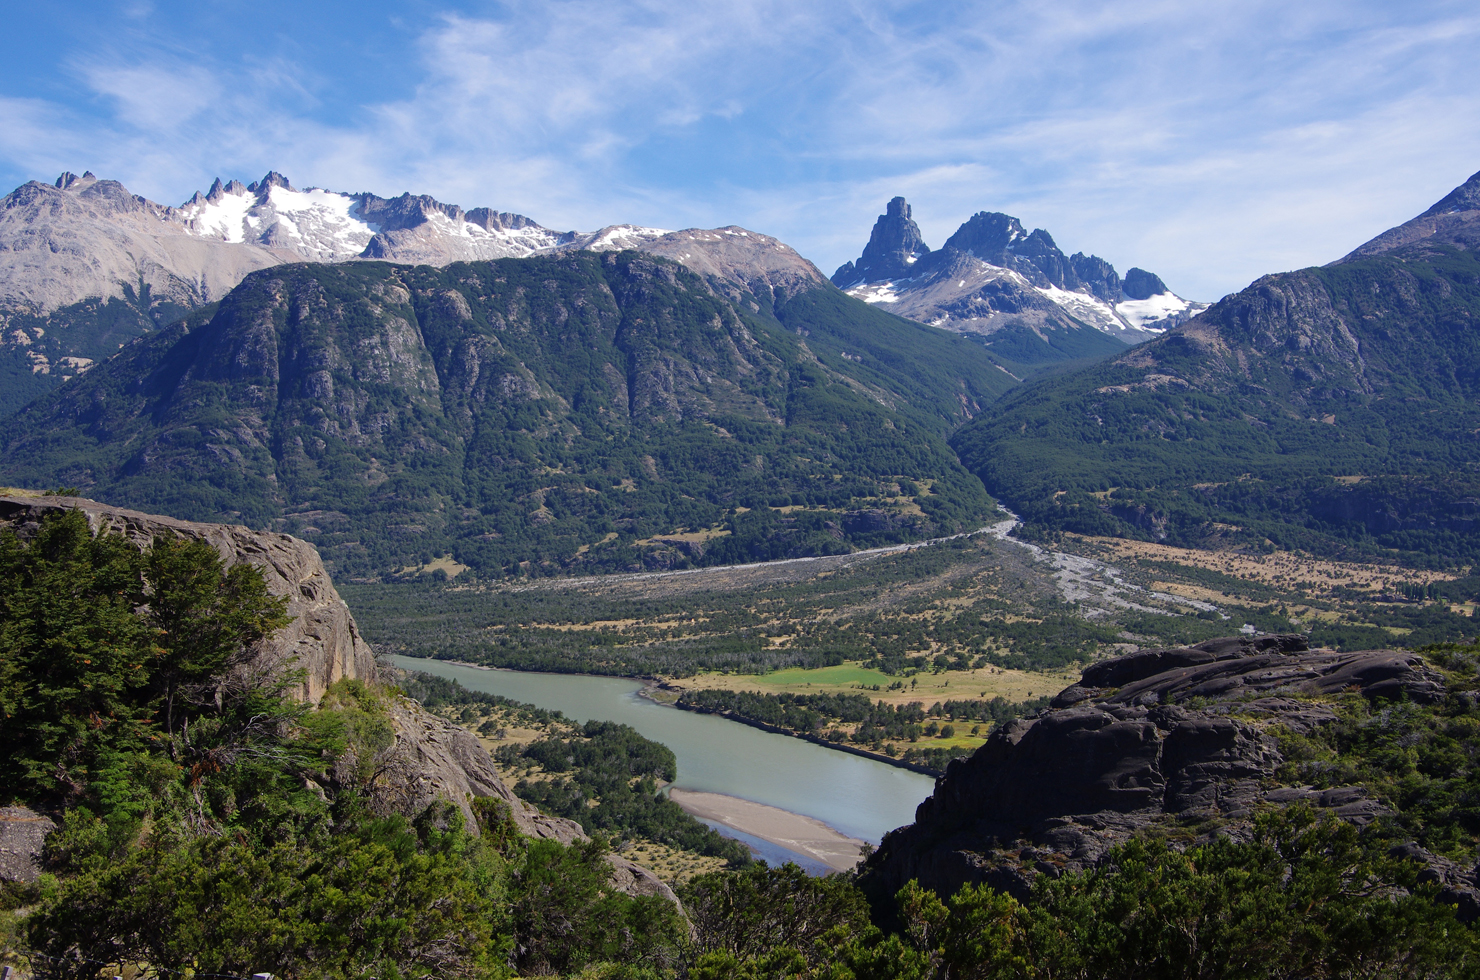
[(860, 797)]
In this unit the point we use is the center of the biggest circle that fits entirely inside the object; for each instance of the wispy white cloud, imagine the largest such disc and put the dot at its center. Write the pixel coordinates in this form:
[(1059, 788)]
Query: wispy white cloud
[(156, 98), (1209, 142)]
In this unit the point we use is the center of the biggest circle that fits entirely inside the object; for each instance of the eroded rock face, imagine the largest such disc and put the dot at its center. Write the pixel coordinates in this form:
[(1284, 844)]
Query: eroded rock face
[(1116, 754), (322, 639), (23, 834), (433, 758), (436, 759)]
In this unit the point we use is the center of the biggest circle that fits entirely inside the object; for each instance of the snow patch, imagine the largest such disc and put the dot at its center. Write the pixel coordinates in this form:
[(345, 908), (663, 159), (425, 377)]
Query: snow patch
[(622, 236), (875, 292), (1091, 309), (1141, 313), (224, 219)]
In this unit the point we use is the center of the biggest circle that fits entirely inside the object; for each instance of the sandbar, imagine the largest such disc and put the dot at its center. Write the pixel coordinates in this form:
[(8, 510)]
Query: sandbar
[(805, 835)]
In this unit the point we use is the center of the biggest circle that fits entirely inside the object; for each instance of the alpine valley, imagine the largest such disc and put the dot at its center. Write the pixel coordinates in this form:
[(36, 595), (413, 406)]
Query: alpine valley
[(1204, 703), (1332, 410), (400, 380)]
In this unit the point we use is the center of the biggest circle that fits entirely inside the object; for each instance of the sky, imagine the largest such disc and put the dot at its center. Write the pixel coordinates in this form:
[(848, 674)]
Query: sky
[(1209, 142)]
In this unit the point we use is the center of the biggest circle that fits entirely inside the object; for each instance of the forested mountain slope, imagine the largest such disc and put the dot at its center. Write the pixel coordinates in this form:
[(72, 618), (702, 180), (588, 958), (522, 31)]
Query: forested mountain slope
[(563, 411), (1332, 409)]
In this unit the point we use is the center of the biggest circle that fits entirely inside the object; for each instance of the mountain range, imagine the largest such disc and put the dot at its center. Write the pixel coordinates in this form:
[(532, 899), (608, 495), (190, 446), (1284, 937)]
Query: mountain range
[(1333, 409), (565, 411), (86, 266), (641, 398), (994, 277)]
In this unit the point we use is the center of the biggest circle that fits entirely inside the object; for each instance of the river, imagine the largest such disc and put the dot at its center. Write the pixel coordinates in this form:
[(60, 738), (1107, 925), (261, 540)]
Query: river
[(860, 797)]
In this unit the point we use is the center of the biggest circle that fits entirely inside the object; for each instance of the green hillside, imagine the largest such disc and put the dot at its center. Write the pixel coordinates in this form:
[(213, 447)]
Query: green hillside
[(1331, 409), (93, 330), (555, 413)]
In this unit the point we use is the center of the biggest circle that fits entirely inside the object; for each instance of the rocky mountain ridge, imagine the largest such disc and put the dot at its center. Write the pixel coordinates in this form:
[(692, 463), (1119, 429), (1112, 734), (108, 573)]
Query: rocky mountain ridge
[(1170, 740), (1328, 409), (993, 274), (86, 266), (1453, 220), (573, 409)]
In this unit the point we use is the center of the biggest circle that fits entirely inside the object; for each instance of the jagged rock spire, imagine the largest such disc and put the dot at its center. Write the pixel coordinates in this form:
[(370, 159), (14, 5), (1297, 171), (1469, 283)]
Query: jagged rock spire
[(1140, 284), (893, 248)]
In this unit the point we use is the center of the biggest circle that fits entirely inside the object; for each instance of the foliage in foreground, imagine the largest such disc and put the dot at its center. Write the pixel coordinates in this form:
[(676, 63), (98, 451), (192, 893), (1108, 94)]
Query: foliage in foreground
[(1305, 898), (211, 825), (216, 827)]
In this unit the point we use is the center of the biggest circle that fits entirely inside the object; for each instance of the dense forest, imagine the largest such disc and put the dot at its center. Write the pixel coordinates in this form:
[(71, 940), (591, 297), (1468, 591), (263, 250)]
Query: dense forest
[(855, 719), (217, 826), (577, 412)]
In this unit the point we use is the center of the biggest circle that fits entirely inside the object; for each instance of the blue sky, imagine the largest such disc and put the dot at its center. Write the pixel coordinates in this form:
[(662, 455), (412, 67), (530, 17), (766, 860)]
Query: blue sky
[(1210, 142)]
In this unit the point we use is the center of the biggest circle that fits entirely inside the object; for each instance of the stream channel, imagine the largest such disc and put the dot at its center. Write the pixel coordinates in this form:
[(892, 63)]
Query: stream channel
[(860, 797)]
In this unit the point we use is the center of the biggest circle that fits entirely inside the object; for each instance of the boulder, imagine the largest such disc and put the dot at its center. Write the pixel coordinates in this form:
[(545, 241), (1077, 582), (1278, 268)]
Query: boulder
[(1165, 736), (22, 837)]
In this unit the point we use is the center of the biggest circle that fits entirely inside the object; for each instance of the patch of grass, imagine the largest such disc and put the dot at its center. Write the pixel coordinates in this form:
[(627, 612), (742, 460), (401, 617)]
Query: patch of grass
[(836, 675)]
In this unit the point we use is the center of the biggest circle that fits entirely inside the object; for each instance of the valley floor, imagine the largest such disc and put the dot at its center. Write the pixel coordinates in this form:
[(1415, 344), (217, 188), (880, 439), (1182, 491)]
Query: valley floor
[(966, 620)]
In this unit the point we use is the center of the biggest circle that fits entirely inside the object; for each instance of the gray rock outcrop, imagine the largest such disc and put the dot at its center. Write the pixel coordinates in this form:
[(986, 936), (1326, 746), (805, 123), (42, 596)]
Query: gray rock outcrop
[(1117, 754), (993, 273), (1140, 284), (436, 759), (1453, 220), (894, 247), (23, 834), (322, 639), (432, 758)]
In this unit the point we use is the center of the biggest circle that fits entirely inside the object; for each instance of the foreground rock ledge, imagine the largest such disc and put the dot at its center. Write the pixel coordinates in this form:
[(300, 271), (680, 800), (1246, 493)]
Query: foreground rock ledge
[(1116, 754)]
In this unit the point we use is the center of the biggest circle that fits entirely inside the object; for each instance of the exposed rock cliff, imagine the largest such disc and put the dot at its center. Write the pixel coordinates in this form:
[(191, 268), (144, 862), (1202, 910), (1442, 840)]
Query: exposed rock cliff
[(433, 758), (322, 639), (994, 274), (515, 410), (893, 248), (1117, 755)]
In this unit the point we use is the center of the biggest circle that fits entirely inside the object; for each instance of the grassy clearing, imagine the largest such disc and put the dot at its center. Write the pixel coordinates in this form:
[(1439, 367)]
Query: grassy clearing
[(669, 863), (1281, 570), (926, 687), (446, 564)]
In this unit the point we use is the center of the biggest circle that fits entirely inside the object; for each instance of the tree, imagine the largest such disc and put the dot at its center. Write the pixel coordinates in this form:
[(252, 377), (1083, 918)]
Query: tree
[(74, 658), (754, 912), (207, 617), (97, 639)]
